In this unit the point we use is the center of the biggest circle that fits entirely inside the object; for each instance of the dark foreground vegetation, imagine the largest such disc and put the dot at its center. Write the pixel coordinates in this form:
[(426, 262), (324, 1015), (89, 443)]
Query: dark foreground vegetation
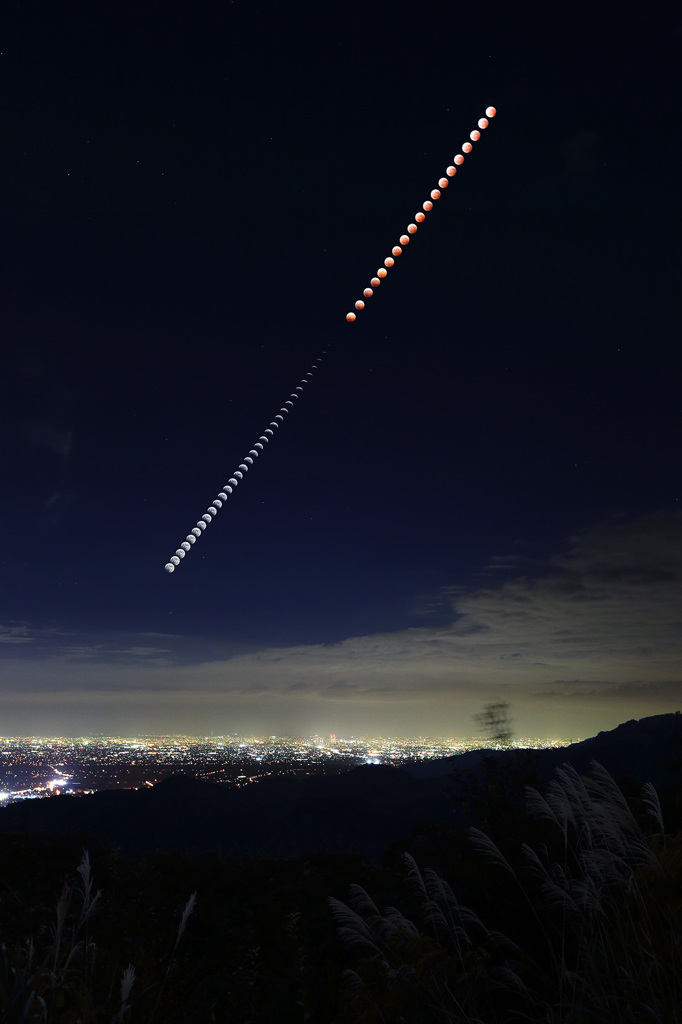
[(562, 903)]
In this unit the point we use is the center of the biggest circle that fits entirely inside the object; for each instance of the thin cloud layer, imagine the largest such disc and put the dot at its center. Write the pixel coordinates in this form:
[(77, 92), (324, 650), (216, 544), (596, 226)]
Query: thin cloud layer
[(597, 632), (15, 634)]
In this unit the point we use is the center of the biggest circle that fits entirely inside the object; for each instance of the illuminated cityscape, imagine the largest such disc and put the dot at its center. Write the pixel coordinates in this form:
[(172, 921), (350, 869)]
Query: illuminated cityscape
[(36, 767)]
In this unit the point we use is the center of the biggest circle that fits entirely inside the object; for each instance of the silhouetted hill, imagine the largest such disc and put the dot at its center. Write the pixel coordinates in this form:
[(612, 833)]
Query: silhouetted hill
[(362, 809), (637, 748)]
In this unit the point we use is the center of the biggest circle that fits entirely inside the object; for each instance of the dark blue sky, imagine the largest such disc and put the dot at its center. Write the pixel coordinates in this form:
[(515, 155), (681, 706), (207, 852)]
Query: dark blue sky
[(192, 199)]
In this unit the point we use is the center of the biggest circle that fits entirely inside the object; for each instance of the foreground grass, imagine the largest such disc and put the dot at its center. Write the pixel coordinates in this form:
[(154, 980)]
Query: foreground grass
[(257, 942), (567, 907), (592, 923)]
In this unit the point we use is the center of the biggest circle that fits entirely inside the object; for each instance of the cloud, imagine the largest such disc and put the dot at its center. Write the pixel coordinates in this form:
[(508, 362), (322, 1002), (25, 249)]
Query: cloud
[(340, 690), (613, 597), (15, 634), (110, 654), (596, 628), (668, 692), (71, 646)]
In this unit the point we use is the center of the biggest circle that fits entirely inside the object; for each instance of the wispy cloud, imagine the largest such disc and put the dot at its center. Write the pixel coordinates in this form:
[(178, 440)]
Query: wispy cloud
[(15, 634)]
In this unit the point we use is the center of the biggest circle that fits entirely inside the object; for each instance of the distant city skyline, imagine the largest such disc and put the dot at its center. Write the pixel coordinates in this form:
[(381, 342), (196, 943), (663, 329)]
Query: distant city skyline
[(36, 767), (230, 739)]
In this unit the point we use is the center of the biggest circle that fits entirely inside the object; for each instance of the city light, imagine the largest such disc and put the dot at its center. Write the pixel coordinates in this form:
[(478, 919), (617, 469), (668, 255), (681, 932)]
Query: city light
[(59, 767)]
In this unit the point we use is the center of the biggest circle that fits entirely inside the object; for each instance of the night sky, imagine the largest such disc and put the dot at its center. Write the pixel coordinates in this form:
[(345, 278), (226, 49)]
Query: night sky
[(476, 498)]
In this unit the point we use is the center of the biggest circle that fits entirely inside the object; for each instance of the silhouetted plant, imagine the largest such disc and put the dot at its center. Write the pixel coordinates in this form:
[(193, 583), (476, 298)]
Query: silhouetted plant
[(19, 980), (62, 986), (606, 943)]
